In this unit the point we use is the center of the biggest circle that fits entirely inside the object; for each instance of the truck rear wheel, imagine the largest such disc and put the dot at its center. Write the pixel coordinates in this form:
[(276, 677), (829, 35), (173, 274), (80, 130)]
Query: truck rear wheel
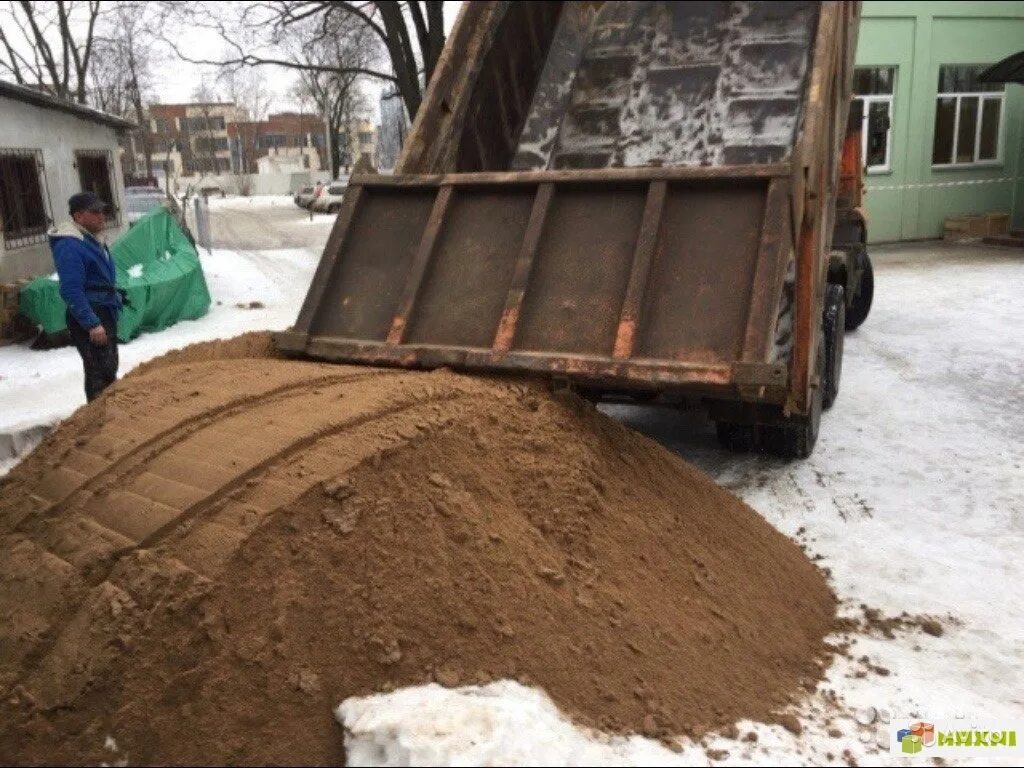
[(860, 303), (833, 327), (740, 438), (796, 436)]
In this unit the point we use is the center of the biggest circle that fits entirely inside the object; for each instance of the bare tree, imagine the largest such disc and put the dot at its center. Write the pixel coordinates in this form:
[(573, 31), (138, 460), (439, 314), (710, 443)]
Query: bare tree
[(121, 75), (332, 79), (203, 128), (245, 88), (411, 33), (50, 44)]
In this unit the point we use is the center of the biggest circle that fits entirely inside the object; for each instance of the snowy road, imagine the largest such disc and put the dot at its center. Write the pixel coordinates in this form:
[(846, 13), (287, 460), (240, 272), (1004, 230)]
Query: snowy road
[(264, 223), (914, 500)]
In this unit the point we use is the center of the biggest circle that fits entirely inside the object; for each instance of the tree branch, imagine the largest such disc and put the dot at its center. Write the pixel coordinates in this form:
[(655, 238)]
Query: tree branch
[(13, 66), (251, 60), (43, 48)]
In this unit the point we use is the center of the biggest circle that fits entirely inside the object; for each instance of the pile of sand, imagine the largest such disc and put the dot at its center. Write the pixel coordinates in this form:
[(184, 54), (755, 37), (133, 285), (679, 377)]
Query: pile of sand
[(209, 558)]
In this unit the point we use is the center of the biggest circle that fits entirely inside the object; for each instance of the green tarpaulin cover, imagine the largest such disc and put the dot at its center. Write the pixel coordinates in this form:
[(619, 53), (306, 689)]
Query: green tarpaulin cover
[(157, 266)]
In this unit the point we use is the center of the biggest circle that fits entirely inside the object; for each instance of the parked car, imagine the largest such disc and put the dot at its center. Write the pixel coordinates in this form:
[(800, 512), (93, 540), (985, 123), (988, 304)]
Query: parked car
[(304, 197), (138, 201), (330, 199)]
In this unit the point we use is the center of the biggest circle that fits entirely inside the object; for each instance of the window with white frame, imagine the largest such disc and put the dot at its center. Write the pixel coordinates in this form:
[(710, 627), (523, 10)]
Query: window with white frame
[(874, 88), (968, 117)]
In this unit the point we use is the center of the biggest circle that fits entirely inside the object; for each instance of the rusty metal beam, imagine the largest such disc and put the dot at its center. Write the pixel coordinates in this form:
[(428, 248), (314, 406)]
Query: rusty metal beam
[(418, 269), (505, 336), (810, 253), (600, 175), (637, 371), (769, 271), (647, 241)]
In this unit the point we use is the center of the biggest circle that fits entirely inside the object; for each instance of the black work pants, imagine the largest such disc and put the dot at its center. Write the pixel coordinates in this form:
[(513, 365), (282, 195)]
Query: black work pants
[(100, 363)]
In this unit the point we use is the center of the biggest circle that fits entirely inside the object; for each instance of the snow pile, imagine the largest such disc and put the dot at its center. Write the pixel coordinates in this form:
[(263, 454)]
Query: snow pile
[(478, 725)]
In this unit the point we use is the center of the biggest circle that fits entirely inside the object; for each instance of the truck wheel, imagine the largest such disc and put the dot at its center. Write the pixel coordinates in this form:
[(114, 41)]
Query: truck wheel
[(833, 324), (795, 438), (740, 438), (860, 303)]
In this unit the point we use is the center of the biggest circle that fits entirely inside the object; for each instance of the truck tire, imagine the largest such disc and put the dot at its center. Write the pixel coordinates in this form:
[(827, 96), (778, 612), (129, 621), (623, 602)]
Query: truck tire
[(796, 437), (860, 303), (833, 327), (740, 438)]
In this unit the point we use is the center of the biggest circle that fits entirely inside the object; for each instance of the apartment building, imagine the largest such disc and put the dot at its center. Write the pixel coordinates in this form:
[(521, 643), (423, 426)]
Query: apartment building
[(187, 139), (293, 138)]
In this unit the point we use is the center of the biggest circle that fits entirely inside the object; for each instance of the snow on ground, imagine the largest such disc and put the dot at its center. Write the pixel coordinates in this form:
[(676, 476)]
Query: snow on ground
[(239, 202), (46, 386), (914, 498), (318, 219)]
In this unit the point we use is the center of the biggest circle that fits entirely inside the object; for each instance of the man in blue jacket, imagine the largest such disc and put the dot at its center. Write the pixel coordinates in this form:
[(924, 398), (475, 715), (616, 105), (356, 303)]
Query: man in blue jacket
[(86, 271)]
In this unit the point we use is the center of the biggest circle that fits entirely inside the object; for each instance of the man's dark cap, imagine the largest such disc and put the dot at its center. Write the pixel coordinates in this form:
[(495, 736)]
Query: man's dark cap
[(85, 201)]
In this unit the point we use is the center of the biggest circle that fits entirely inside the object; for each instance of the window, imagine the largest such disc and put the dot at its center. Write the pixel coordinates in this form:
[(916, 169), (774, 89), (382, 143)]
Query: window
[(94, 175), (163, 125), (366, 137), (874, 87), (272, 141), (968, 117), (211, 144), (23, 213), (204, 123)]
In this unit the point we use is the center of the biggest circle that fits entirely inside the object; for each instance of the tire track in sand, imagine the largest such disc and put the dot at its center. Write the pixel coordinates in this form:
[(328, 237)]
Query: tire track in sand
[(165, 440)]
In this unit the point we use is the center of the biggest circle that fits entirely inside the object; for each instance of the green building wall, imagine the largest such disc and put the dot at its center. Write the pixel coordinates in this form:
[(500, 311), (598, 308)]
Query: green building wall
[(913, 199)]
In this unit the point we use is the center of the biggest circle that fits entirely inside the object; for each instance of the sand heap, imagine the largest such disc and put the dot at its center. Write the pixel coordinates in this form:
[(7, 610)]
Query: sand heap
[(206, 560)]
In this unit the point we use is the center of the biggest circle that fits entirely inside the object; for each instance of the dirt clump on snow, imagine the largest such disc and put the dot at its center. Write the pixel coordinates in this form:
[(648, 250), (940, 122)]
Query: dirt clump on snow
[(205, 561), (874, 622)]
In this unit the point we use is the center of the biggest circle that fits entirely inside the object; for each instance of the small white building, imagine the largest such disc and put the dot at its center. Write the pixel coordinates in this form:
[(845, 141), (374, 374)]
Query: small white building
[(288, 160), (50, 149)]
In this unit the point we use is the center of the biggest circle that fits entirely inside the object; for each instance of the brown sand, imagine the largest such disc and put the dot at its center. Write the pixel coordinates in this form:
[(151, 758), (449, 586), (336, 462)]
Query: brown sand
[(208, 559)]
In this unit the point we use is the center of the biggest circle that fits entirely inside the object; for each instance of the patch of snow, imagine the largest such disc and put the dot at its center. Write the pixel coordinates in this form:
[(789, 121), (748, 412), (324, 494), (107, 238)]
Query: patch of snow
[(478, 725), (255, 201), (319, 219)]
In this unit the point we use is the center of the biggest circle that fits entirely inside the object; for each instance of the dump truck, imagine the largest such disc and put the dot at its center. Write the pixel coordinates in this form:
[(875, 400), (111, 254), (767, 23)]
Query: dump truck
[(655, 202)]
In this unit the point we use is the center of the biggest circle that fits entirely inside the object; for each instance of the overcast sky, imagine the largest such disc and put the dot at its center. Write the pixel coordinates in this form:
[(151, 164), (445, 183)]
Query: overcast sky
[(175, 79)]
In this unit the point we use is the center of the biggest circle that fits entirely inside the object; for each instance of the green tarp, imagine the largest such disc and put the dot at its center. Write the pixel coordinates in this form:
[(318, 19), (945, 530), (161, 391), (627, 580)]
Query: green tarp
[(157, 266)]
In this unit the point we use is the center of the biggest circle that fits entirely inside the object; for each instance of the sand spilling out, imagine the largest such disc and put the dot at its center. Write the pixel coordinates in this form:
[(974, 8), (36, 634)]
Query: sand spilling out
[(205, 561)]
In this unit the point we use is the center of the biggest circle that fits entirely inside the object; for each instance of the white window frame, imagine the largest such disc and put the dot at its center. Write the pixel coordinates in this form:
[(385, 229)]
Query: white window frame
[(866, 102), (982, 97)]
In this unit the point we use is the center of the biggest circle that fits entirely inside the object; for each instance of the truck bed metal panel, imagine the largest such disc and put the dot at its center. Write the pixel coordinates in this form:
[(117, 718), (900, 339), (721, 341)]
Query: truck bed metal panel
[(584, 273)]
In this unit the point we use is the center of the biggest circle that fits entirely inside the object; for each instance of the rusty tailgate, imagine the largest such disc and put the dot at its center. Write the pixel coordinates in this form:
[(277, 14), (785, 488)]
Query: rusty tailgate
[(624, 278)]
